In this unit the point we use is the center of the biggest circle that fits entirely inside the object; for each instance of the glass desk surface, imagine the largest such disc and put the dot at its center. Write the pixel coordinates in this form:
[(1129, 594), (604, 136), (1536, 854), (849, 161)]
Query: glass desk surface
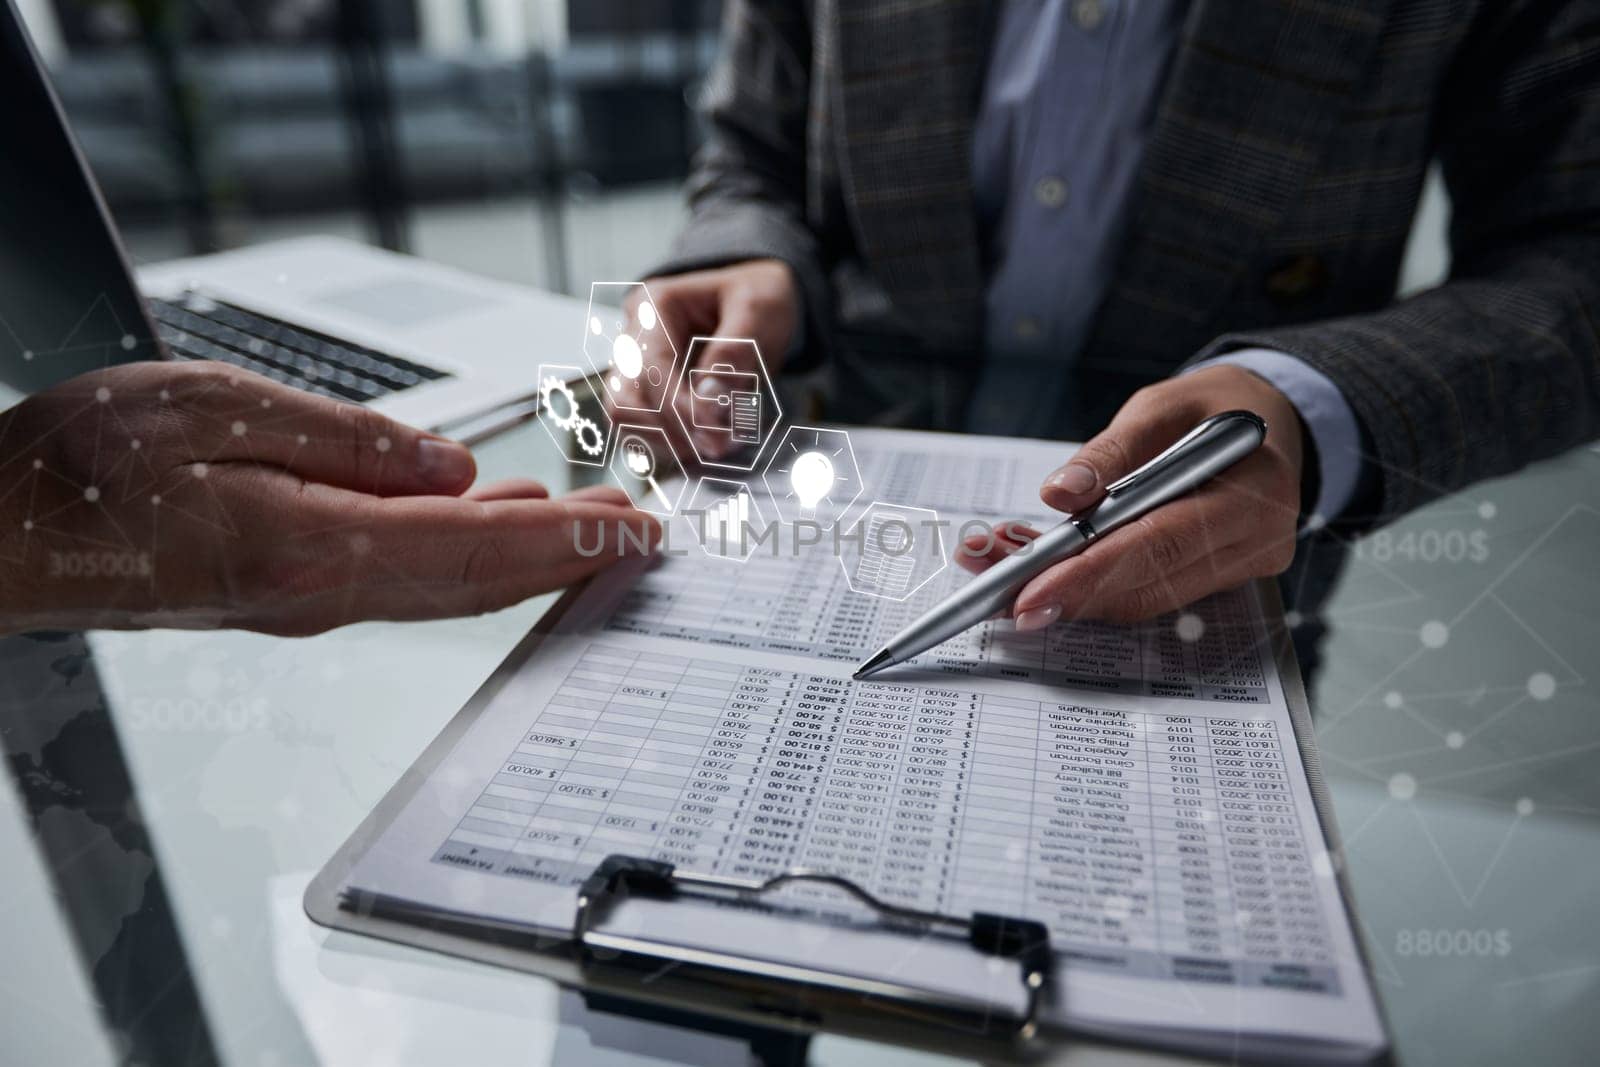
[(1455, 723)]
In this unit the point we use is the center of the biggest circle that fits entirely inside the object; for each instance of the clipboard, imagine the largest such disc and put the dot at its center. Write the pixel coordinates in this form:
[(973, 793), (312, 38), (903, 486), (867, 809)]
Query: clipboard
[(717, 989)]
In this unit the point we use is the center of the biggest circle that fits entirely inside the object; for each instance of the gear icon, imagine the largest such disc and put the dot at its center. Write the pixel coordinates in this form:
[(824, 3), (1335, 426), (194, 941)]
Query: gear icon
[(595, 442), (548, 390)]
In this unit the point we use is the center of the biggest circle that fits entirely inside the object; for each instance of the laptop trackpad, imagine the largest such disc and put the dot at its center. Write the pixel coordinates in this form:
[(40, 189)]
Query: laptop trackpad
[(405, 301)]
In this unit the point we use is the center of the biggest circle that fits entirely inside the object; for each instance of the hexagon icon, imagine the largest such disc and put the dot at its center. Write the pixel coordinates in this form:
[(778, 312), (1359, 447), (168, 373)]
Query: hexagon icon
[(727, 397), (581, 430), (646, 466), (892, 550), (726, 519), (624, 348), (813, 475)]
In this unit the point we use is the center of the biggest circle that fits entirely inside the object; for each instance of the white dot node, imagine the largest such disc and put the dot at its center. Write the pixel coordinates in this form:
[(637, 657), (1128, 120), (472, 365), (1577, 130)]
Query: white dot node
[(27, 357), (647, 315), (1189, 627), (1393, 699), (615, 381), (1455, 739), (594, 325), (38, 464), (239, 429), (165, 395), (1434, 633), (1524, 806), (627, 356), (27, 524), (155, 500), (91, 494), (1542, 686), (302, 439), (266, 402), (135, 444), (102, 394), (1487, 510), (128, 341), (1293, 620), (1402, 786), (384, 444), (201, 470), (1315, 522)]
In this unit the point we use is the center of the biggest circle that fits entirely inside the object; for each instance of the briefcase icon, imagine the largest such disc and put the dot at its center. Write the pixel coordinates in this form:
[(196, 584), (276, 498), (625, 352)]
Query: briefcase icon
[(726, 401)]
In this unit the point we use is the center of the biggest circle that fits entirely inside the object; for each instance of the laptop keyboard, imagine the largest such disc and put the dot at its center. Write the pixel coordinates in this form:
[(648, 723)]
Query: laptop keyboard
[(197, 327)]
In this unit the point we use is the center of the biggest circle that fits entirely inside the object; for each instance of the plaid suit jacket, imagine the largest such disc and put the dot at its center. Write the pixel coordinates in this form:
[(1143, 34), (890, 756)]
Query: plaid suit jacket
[(1275, 198)]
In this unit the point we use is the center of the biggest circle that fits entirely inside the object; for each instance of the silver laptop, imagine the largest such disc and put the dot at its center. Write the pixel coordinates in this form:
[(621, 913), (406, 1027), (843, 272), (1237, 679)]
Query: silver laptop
[(439, 348)]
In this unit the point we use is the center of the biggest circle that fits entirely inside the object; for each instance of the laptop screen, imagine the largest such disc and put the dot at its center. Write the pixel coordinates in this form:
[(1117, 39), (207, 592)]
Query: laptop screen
[(67, 300)]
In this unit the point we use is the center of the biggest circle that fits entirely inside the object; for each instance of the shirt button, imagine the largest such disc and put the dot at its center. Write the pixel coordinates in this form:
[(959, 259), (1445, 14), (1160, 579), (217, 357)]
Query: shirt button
[(1050, 191), (1027, 327), (1088, 14)]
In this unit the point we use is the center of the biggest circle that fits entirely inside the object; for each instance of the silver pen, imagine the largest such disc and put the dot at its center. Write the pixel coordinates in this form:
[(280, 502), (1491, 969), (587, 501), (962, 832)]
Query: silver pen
[(1194, 459)]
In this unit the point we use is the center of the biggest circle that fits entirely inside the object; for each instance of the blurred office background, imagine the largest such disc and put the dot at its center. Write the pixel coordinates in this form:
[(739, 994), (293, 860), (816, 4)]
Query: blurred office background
[(540, 141)]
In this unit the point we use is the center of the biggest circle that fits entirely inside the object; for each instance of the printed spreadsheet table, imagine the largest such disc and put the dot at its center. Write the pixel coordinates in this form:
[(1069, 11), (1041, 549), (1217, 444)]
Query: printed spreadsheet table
[(1141, 790), (772, 605), (1152, 844)]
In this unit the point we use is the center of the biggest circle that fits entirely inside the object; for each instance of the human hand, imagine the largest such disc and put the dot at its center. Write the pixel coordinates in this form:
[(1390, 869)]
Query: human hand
[(196, 495), (756, 300), (1238, 526)]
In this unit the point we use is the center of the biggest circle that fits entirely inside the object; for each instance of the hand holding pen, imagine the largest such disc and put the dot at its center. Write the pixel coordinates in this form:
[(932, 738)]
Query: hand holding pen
[(1239, 526), (1179, 502)]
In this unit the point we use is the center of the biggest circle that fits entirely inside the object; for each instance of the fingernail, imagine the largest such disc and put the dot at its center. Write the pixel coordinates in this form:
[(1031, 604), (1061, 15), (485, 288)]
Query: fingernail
[(1038, 618), (1074, 478), (444, 464)]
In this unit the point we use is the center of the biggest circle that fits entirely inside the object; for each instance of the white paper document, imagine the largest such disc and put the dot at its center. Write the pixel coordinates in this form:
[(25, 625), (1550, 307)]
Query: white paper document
[(1137, 789)]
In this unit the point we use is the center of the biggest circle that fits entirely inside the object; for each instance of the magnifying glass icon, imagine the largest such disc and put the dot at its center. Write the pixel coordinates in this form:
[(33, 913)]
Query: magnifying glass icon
[(641, 463)]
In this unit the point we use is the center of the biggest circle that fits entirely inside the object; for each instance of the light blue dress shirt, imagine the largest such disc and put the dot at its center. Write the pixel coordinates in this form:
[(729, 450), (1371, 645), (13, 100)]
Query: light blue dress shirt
[(1068, 104)]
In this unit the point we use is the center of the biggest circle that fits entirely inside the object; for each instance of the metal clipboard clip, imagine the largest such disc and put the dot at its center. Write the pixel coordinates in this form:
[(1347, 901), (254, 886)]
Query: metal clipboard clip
[(1024, 940)]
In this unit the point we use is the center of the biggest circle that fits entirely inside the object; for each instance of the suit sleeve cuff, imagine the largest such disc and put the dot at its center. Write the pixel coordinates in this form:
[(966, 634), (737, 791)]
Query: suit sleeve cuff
[(1327, 416)]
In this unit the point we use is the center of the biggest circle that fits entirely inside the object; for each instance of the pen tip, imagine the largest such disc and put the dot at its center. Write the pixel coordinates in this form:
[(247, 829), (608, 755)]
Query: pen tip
[(878, 661)]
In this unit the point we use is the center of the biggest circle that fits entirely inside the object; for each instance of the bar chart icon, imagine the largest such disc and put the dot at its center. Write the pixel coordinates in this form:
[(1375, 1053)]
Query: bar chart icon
[(726, 524), (727, 521)]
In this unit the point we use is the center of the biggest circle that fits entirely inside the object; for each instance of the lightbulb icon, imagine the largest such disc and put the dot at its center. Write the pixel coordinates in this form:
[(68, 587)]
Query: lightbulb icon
[(811, 478), (814, 466)]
